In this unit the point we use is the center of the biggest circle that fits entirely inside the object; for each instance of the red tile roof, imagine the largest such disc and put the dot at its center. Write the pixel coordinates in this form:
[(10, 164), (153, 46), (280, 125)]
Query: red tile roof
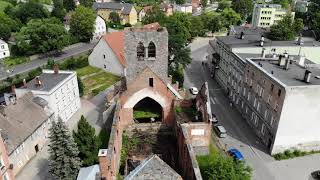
[(116, 42)]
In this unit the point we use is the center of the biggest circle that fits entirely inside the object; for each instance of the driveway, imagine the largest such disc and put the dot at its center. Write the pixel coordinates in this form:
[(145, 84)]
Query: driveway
[(240, 134)]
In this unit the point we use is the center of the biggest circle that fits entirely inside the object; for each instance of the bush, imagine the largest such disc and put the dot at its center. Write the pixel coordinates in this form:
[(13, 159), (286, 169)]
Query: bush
[(287, 154)]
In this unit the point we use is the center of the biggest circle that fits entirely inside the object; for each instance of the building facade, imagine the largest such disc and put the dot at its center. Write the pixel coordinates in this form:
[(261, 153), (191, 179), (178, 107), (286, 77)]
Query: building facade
[(59, 88), (100, 28), (25, 125), (4, 50), (126, 11), (184, 8), (5, 166), (265, 15)]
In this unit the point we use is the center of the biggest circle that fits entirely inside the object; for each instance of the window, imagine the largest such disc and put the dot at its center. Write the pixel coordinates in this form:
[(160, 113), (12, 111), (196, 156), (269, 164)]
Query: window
[(272, 86), (244, 91), (151, 50), (261, 92), (247, 109), (151, 82), (258, 106), (254, 102), (104, 56), (140, 51), (266, 114), (279, 92), (272, 120), (256, 121), (262, 129), (269, 99), (248, 96), (2, 46), (105, 66)]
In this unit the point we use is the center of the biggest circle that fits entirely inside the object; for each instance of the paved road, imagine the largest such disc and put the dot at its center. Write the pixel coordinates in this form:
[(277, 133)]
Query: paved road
[(240, 134), (22, 68)]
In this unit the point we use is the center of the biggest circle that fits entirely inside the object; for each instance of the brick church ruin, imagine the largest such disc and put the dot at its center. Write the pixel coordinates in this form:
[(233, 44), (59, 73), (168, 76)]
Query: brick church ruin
[(168, 142)]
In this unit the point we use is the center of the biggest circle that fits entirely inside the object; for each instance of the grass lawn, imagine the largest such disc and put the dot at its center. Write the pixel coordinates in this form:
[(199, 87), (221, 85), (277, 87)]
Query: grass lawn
[(11, 61), (95, 80), (3, 5)]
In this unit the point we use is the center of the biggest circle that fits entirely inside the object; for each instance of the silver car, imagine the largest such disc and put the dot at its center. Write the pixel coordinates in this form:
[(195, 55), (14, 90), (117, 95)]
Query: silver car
[(221, 131)]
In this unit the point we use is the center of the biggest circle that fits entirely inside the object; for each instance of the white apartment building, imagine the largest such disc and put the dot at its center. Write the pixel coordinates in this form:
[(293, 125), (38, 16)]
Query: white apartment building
[(265, 15), (184, 8), (58, 88), (262, 100), (4, 50), (100, 28)]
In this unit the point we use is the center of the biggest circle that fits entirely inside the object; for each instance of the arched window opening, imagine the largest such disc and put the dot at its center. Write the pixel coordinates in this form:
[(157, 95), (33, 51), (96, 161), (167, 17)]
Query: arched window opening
[(151, 50), (140, 51)]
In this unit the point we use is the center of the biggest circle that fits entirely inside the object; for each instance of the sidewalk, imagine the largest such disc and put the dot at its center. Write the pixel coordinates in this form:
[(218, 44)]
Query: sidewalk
[(37, 168)]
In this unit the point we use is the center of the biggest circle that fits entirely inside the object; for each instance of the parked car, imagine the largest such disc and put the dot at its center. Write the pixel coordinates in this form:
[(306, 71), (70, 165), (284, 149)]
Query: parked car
[(236, 154), (214, 119), (221, 131), (316, 175), (194, 90)]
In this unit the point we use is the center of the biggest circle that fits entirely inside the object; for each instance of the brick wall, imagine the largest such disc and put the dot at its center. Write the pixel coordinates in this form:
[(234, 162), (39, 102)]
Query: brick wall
[(6, 171)]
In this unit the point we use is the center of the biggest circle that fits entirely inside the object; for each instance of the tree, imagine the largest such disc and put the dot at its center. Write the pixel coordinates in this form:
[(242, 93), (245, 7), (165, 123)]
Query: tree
[(114, 17), (243, 7), (215, 24), (87, 3), (297, 25), (64, 162), (284, 3), (87, 142), (223, 5), (58, 9), (5, 31), (82, 23), (40, 36), (285, 29), (180, 1), (204, 3), (230, 17), (69, 5), (30, 10), (156, 15), (177, 74), (217, 166), (197, 26)]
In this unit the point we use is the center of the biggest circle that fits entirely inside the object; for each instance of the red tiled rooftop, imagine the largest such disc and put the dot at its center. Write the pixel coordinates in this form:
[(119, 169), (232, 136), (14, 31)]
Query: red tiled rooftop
[(116, 42)]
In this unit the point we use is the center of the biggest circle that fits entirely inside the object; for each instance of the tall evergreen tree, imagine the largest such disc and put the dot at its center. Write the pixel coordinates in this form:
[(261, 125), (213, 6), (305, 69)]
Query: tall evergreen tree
[(64, 162), (87, 142)]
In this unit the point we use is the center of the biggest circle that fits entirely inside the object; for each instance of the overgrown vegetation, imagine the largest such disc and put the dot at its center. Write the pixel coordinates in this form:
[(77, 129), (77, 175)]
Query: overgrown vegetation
[(219, 166), (12, 61), (145, 114), (288, 154), (286, 29), (128, 143)]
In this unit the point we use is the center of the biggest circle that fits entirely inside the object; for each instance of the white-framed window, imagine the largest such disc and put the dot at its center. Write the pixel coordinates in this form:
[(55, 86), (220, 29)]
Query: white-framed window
[(258, 106), (244, 91), (255, 102), (262, 129), (256, 120), (248, 96), (261, 92), (266, 113)]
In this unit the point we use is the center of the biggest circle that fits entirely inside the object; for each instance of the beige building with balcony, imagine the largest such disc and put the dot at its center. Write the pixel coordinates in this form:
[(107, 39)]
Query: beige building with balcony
[(265, 15)]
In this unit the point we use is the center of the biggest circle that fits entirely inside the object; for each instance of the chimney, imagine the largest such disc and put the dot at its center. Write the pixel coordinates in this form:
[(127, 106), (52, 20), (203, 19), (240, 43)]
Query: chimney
[(263, 53), (24, 83), (13, 89), (300, 41), (287, 64), (301, 60), (307, 76), (281, 61), (38, 82), (242, 35), (274, 55), (56, 69), (262, 41)]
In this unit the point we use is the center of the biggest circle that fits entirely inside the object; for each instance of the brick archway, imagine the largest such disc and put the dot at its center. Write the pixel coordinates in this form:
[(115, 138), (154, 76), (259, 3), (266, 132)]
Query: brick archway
[(144, 93)]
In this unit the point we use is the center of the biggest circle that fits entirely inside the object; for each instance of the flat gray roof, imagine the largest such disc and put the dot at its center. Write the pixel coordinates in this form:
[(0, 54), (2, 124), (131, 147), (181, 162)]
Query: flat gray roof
[(294, 75), (48, 81)]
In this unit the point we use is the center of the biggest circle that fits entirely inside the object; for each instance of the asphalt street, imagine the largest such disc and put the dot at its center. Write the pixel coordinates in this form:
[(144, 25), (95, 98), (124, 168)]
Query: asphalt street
[(240, 135), (42, 61)]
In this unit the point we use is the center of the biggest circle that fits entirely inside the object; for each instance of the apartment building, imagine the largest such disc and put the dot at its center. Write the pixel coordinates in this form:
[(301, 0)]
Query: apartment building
[(59, 88), (258, 94), (265, 15)]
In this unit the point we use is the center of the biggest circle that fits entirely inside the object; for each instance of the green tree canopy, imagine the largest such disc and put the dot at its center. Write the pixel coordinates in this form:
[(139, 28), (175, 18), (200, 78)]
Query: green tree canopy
[(285, 29), (69, 5), (58, 9), (64, 162), (42, 35), (284, 3), (197, 26), (180, 1), (223, 5), (204, 3), (7, 25), (156, 15), (30, 10), (88, 143), (82, 23), (114, 17), (243, 7), (87, 3), (230, 17)]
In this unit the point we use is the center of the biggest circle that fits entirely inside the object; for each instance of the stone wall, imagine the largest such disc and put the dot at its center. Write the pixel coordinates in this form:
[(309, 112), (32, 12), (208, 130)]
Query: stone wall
[(159, 64), (203, 103)]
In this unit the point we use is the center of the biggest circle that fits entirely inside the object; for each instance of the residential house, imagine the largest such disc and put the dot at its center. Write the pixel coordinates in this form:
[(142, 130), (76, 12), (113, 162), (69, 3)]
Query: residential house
[(166, 8), (126, 11), (100, 28), (184, 8), (265, 15), (142, 13), (58, 88), (301, 5), (5, 166), (4, 50), (24, 128), (267, 85)]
